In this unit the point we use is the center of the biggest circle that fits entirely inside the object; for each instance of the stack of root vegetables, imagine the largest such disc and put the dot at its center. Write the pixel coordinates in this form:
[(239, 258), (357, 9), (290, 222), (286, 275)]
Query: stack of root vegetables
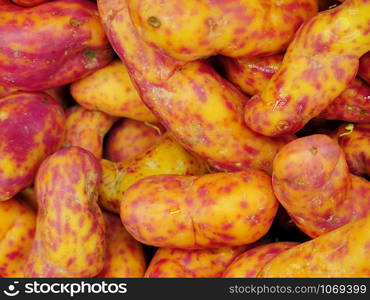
[(197, 138)]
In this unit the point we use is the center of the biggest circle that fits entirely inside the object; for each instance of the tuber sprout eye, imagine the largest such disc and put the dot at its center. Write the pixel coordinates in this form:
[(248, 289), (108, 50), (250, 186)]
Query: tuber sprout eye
[(282, 125), (89, 54), (314, 150), (74, 22), (154, 22)]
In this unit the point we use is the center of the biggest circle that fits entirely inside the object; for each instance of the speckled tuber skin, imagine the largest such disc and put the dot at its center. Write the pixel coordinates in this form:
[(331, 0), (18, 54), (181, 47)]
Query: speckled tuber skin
[(164, 157), (111, 90), (197, 212), (343, 252), (87, 128), (251, 262), (203, 111), (233, 28), (50, 44), (70, 230), (252, 75), (319, 64), (124, 256), (129, 138), (17, 230), (184, 263), (32, 127), (354, 139), (312, 181)]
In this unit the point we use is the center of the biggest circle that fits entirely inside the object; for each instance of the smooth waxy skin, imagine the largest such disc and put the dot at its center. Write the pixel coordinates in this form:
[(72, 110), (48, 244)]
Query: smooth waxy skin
[(219, 27), (203, 111), (319, 64), (17, 229), (164, 157), (352, 105), (124, 256), (128, 138), (181, 263), (356, 147), (70, 233), (51, 44), (364, 69), (110, 90), (87, 128), (251, 262), (343, 252), (5, 90), (32, 127), (195, 212), (252, 75), (312, 181), (360, 189)]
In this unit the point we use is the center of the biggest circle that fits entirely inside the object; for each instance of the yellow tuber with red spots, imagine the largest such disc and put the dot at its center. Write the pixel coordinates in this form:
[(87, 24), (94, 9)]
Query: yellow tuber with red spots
[(319, 64), (203, 111), (70, 232), (195, 212), (110, 90), (184, 263), (354, 139), (17, 230), (343, 252), (124, 256), (251, 262), (233, 28), (87, 128), (128, 138), (312, 181), (252, 75), (164, 157)]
